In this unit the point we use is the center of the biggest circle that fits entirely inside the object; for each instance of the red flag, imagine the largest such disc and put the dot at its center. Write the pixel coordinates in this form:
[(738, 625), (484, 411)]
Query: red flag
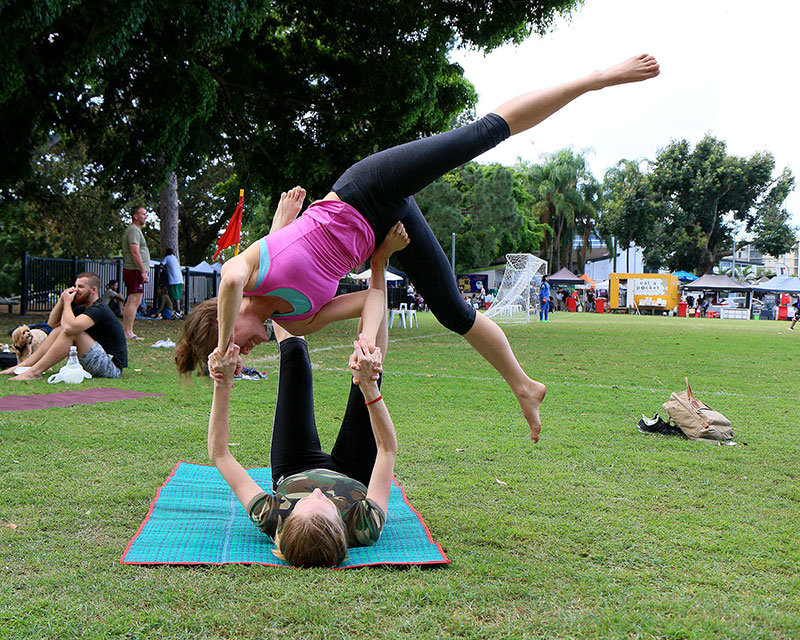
[(233, 232)]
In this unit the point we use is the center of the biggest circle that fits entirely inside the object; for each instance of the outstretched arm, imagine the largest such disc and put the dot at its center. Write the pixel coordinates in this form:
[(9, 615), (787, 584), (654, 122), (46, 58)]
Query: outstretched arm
[(235, 274), (367, 365), (235, 475)]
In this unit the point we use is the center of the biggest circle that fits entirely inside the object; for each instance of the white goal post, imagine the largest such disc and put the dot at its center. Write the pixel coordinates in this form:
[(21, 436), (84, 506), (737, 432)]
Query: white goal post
[(518, 296)]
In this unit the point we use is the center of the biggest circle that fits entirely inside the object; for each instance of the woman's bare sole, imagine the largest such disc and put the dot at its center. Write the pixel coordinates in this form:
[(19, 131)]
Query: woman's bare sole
[(288, 208)]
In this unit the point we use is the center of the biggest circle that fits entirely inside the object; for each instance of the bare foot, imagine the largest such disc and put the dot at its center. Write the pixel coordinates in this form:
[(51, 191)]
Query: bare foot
[(529, 400), (288, 208), (24, 377), (635, 69), (395, 240)]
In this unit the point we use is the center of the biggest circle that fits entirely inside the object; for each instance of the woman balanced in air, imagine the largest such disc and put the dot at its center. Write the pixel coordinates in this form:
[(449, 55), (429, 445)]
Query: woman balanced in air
[(292, 274)]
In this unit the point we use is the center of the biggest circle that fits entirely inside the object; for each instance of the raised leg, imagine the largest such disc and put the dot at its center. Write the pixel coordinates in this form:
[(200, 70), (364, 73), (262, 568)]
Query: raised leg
[(529, 109), (489, 340), (295, 441)]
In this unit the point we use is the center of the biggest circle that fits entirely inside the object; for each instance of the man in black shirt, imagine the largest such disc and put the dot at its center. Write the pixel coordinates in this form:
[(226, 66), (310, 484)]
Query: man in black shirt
[(80, 319)]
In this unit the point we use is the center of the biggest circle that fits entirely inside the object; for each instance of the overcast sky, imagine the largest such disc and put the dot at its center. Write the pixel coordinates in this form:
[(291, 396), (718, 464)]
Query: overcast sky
[(728, 67)]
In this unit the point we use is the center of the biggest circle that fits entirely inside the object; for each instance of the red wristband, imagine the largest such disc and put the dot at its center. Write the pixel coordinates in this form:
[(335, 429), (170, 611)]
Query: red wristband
[(373, 401)]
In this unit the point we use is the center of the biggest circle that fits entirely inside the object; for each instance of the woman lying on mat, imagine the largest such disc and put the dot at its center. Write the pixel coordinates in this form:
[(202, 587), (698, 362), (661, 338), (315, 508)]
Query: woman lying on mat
[(319, 504), (292, 274)]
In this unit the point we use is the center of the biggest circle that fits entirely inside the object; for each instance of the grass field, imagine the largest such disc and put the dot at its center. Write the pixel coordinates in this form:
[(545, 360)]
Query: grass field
[(598, 531)]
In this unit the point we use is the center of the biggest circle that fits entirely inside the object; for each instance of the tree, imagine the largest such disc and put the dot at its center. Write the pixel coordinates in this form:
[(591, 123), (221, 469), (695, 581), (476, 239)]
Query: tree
[(704, 190), (289, 91), (559, 199), (773, 234), (587, 215), (631, 210), (477, 203)]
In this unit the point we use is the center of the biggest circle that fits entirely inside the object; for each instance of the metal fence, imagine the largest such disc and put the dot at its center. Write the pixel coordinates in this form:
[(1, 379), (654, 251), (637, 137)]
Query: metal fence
[(43, 280)]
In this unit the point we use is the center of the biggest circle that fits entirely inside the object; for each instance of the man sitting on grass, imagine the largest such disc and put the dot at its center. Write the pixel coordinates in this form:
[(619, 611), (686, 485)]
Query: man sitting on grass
[(81, 319)]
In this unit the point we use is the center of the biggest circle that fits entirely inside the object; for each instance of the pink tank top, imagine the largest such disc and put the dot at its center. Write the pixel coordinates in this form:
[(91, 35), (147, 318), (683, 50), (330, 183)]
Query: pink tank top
[(303, 262)]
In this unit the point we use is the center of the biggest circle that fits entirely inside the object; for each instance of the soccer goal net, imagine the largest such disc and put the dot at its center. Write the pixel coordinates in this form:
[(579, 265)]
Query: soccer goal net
[(518, 296)]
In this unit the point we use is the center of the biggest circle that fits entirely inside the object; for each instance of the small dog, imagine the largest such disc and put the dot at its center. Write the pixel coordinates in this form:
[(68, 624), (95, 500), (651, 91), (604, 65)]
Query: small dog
[(26, 341)]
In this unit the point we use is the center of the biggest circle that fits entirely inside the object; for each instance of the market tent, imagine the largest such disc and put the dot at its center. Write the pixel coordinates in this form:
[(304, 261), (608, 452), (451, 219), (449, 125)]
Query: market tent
[(204, 267), (780, 284), (684, 276), (710, 282), (565, 276), (367, 274)]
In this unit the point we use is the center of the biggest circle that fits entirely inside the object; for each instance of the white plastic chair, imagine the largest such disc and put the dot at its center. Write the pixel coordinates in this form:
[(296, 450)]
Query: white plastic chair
[(396, 313)]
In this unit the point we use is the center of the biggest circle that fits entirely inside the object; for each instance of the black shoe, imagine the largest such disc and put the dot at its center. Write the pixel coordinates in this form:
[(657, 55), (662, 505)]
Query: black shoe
[(657, 425), (250, 374)]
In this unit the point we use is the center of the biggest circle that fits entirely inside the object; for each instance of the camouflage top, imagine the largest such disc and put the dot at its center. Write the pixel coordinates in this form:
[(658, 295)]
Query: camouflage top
[(363, 518)]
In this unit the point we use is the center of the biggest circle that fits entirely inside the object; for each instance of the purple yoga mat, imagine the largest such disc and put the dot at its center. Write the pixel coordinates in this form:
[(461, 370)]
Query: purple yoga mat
[(67, 398)]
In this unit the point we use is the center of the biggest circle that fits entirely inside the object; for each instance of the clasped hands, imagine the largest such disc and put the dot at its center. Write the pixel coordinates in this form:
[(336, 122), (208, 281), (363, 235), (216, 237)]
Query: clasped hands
[(223, 365), (366, 363)]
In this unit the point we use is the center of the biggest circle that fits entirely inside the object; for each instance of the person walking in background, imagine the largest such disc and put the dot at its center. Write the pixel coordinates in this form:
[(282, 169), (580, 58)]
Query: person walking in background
[(544, 299), (174, 279), (135, 265)]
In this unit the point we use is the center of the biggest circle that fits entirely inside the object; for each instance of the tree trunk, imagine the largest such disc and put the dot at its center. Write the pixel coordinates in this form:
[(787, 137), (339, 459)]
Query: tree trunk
[(584, 246), (557, 240), (570, 247), (168, 214)]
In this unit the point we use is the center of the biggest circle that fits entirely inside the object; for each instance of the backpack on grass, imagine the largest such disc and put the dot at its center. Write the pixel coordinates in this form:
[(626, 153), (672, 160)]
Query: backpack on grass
[(695, 418)]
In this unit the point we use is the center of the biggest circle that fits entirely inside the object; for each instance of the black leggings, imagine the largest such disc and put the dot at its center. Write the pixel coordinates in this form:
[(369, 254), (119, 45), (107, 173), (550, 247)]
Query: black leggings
[(295, 442), (381, 188)]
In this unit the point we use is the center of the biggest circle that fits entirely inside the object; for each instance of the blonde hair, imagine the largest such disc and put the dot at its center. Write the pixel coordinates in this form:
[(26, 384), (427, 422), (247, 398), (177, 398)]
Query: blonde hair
[(199, 339), (312, 540)]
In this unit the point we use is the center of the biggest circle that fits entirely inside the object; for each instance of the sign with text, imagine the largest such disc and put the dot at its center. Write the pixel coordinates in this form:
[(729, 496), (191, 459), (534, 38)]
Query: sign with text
[(650, 287)]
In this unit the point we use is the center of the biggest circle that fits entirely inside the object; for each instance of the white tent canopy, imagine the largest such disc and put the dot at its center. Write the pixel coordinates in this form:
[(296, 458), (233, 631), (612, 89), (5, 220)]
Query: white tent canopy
[(367, 274), (779, 284), (204, 267)]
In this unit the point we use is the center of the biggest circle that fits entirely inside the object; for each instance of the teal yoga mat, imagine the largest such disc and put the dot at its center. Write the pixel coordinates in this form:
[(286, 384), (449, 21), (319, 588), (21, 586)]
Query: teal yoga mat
[(196, 519)]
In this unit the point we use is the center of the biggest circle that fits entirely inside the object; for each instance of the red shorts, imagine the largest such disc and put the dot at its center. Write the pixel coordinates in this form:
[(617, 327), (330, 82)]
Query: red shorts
[(134, 282)]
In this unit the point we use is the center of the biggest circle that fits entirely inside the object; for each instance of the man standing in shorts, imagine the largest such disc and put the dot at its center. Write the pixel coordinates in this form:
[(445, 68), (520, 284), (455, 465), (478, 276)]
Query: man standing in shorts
[(135, 266), (80, 319), (174, 278)]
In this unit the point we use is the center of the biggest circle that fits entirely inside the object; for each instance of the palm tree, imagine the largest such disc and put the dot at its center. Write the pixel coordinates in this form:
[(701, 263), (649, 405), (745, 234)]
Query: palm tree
[(560, 201)]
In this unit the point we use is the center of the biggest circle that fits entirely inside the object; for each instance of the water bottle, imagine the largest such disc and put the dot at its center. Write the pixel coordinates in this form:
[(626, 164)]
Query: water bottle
[(72, 359), (72, 372)]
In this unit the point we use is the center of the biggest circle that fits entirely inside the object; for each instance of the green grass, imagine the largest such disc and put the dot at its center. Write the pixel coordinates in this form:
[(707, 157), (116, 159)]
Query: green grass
[(597, 532)]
